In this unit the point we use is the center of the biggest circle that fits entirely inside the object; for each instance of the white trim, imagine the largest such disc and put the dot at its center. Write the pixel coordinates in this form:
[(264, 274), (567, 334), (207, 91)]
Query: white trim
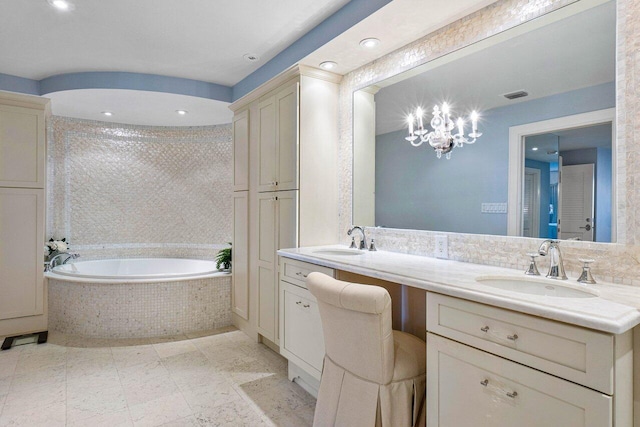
[(535, 218), (516, 160)]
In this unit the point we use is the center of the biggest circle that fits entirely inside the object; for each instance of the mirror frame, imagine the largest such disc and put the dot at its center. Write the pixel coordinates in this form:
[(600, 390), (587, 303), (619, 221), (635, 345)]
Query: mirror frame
[(517, 134)]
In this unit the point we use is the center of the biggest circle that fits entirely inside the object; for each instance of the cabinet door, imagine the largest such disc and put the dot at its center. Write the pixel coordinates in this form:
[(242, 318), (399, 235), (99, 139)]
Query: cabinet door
[(266, 266), (240, 254), (267, 145), (301, 337), (287, 135), (21, 252), (241, 151), (468, 387), (22, 145), (287, 226)]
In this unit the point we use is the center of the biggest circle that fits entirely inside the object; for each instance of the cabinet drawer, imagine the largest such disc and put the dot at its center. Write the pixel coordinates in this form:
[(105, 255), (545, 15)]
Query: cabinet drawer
[(296, 272), (468, 387), (301, 338), (577, 354)]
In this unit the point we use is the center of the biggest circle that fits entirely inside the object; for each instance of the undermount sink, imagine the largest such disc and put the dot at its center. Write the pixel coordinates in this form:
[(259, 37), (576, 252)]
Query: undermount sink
[(531, 286), (338, 252)]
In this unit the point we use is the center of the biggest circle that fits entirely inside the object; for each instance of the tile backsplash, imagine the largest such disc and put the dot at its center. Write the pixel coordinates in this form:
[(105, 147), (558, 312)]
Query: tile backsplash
[(614, 262), (119, 190)]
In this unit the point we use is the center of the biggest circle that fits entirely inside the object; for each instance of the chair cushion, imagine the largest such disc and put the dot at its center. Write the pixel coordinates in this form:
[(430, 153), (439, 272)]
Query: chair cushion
[(410, 356)]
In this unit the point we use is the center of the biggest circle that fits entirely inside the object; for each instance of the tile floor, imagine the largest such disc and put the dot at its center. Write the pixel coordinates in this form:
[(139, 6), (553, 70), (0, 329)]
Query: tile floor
[(220, 379)]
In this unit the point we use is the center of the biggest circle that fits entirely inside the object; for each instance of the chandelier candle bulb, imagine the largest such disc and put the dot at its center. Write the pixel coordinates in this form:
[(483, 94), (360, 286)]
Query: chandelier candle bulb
[(474, 122), (410, 120), (460, 126), (419, 114)]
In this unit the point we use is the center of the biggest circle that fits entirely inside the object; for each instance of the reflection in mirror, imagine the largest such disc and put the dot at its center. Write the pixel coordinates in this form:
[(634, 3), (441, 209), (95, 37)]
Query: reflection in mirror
[(564, 61), (577, 206)]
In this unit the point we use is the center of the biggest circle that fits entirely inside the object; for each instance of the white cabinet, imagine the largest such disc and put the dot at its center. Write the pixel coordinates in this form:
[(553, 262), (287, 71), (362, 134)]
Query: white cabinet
[(241, 151), (278, 144), (301, 337), (469, 387), (21, 263), (503, 367), (23, 303), (277, 229), (240, 254), (22, 146)]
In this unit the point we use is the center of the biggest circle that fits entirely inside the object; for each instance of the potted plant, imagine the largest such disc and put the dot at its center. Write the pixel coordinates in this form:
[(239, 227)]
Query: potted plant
[(223, 258)]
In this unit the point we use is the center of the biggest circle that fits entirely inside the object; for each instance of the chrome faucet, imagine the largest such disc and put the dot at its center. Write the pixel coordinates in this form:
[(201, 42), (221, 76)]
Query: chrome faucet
[(52, 262), (556, 266), (363, 244)]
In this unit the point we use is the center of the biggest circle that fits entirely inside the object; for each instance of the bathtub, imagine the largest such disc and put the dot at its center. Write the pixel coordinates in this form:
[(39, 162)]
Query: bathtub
[(138, 298)]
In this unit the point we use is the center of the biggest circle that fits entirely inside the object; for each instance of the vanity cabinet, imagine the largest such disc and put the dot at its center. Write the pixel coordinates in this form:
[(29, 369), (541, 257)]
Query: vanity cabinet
[(301, 336), (503, 367), (23, 299)]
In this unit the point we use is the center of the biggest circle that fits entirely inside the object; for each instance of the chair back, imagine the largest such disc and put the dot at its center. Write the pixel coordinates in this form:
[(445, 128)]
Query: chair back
[(356, 322)]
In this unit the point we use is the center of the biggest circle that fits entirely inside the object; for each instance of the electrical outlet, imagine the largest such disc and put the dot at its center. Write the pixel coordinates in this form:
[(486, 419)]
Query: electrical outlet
[(442, 247)]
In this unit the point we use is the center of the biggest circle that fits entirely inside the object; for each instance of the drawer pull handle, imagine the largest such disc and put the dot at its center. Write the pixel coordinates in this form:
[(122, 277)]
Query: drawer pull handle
[(512, 337), (512, 394), (306, 306), (485, 329), (299, 273), (484, 383)]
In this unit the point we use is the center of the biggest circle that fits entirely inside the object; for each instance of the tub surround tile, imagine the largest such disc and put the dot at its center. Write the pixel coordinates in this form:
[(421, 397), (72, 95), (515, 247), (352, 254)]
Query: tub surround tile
[(92, 164), (140, 310)]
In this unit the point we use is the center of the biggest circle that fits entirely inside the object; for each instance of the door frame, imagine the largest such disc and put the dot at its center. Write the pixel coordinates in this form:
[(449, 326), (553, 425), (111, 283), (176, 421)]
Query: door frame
[(517, 135), (535, 217)]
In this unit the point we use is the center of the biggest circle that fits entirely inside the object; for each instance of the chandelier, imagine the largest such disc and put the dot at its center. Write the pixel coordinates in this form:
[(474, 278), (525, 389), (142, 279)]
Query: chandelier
[(441, 138)]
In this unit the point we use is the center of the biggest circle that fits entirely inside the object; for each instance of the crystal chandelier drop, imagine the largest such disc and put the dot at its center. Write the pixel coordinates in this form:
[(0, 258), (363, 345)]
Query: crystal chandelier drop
[(441, 138)]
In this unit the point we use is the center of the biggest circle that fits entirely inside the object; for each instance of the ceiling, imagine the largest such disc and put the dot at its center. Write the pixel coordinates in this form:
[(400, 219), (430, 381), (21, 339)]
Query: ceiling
[(202, 40), (572, 53)]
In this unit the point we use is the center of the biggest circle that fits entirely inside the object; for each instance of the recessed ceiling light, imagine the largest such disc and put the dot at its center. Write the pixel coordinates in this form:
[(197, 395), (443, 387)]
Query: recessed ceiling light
[(251, 57), (328, 65), (182, 112), (61, 4), (107, 113), (369, 43), (534, 149)]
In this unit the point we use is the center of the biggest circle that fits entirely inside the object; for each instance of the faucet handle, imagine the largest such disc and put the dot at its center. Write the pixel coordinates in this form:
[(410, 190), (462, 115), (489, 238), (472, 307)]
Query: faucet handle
[(585, 276), (353, 243), (533, 268), (372, 246)]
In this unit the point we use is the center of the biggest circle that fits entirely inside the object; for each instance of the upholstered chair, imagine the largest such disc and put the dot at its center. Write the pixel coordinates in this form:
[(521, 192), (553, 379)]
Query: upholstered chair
[(372, 375)]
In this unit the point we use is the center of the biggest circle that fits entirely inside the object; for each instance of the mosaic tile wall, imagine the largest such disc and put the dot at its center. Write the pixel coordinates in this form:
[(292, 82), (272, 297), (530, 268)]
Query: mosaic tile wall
[(134, 191), (139, 310), (614, 262)]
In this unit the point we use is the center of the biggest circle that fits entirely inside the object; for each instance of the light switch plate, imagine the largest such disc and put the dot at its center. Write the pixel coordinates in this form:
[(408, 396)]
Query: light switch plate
[(442, 246)]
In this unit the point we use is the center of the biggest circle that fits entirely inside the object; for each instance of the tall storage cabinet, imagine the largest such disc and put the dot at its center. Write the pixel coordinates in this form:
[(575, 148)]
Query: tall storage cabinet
[(22, 180), (293, 188)]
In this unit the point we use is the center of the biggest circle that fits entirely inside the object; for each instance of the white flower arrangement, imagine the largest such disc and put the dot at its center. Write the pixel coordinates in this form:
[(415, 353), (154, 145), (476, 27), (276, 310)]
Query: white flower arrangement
[(54, 247)]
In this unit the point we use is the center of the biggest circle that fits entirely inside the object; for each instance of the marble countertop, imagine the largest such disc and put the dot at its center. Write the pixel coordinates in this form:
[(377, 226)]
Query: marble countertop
[(614, 310)]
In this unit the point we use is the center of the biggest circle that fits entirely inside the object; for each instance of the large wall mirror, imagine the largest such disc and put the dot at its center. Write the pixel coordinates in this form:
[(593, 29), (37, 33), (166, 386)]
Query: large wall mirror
[(544, 165)]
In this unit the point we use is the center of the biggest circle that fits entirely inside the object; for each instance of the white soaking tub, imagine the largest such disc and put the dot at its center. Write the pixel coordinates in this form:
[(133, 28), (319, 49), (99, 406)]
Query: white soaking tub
[(136, 298)]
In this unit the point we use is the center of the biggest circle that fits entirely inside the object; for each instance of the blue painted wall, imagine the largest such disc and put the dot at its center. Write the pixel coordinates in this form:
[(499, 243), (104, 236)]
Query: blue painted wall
[(545, 197), (416, 190)]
